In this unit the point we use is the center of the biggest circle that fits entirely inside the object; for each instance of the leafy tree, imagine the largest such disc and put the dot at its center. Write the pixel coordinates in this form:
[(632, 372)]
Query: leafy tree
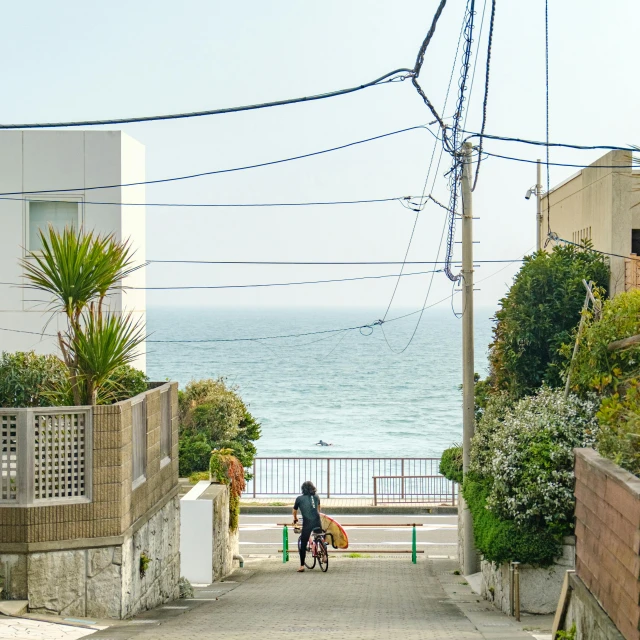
[(78, 270), (214, 416), (614, 375), (538, 315)]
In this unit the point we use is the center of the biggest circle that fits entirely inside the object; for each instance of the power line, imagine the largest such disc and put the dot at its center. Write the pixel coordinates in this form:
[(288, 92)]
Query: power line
[(420, 61), (559, 164), (546, 59), (486, 91), (220, 171), (554, 236), (426, 181), (393, 76), (369, 326), (320, 203), (456, 170), (277, 284), (537, 143), (251, 286), (312, 263)]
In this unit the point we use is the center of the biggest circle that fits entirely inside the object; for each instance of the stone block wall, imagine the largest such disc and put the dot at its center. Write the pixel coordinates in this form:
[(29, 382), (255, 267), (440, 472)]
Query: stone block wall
[(608, 538), (83, 558), (539, 587)]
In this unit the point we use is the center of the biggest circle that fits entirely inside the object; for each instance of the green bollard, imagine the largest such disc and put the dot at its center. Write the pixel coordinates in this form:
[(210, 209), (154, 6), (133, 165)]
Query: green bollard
[(414, 555), (285, 544)]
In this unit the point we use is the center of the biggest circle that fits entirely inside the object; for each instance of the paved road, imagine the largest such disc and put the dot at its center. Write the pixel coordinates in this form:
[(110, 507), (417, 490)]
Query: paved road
[(437, 536), (357, 599)]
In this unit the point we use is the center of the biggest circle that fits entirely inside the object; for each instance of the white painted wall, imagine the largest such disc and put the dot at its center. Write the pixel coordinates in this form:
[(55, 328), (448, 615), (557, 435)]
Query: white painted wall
[(75, 160), (196, 535)]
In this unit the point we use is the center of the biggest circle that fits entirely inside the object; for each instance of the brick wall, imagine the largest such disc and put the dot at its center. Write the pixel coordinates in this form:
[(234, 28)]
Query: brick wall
[(608, 538), (114, 506)]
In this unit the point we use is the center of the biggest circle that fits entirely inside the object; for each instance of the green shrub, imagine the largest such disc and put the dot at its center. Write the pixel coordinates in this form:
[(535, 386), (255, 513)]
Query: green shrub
[(227, 469), (451, 463), (487, 429), (31, 380), (502, 540), (597, 368), (213, 416), (538, 315), (619, 437), (615, 375), (532, 459)]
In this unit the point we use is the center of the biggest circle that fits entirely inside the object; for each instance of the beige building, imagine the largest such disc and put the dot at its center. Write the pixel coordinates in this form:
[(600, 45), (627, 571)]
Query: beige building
[(600, 203)]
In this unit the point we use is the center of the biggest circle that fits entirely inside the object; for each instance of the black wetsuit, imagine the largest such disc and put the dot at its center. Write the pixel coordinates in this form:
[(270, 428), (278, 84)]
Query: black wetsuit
[(308, 506)]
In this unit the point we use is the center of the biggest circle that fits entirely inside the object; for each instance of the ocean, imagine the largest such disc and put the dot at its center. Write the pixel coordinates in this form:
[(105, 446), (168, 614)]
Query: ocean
[(348, 388)]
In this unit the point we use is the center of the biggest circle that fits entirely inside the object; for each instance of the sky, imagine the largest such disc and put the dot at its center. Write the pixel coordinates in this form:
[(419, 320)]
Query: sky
[(79, 60)]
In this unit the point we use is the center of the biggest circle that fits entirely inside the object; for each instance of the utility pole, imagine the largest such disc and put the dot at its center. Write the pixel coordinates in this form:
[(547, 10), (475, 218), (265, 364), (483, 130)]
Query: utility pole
[(539, 206), (470, 564)]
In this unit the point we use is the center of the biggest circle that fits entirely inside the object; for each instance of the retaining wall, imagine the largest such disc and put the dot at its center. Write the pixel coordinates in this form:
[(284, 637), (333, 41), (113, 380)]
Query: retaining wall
[(83, 559), (608, 538)]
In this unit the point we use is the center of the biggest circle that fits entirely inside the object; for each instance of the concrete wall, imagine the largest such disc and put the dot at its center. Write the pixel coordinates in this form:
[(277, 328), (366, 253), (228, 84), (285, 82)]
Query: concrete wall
[(102, 581), (601, 201), (539, 587), (608, 538), (84, 559), (44, 161)]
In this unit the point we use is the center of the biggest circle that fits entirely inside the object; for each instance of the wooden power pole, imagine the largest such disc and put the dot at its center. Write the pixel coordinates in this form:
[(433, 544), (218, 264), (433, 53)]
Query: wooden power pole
[(470, 564)]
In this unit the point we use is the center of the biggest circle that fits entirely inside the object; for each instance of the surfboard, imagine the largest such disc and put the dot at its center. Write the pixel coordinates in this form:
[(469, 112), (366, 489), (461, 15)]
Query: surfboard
[(338, 534)]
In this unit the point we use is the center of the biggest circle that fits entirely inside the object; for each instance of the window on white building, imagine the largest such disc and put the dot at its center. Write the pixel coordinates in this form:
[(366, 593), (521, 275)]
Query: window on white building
[(43, 213)]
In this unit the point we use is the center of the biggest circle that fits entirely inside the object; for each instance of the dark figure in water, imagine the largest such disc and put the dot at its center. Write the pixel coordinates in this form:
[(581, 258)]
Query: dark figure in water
[(323, 444)]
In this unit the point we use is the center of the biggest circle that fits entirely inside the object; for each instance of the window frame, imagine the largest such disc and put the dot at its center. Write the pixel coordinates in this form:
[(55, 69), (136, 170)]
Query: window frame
[(79, 200)]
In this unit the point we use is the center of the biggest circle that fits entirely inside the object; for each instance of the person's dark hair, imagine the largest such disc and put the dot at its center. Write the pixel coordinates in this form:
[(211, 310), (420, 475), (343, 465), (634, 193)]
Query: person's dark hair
[(308, 488)]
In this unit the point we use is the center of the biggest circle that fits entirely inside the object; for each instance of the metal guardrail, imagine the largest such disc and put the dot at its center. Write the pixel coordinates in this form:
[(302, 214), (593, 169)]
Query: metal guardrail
[(335, 477), (416, 489)]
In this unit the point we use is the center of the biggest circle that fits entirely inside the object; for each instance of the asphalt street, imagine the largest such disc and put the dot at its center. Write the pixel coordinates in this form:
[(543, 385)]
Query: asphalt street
[(262, 534)]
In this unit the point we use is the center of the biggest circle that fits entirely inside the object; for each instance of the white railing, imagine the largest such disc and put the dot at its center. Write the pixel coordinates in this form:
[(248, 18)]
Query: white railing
[(332, 476), (414, 489), (45, 455)]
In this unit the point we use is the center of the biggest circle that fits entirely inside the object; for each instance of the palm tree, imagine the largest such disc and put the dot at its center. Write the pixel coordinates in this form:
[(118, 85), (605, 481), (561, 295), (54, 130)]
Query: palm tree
[(78, 270)]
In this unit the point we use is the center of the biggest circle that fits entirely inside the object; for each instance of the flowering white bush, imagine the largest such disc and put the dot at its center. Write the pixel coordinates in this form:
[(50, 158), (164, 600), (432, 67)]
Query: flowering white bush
[(531, 458)]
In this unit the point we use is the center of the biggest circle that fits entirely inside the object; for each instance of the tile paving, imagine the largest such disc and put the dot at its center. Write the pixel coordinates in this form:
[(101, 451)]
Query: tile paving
[(358, 599)]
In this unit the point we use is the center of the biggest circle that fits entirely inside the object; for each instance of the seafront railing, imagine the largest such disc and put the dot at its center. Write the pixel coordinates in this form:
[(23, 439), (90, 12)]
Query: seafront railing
[(414, 489), (333, 477)]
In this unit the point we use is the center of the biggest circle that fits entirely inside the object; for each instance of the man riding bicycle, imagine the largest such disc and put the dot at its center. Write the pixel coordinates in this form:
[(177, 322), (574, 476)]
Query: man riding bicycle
[(308, 503)]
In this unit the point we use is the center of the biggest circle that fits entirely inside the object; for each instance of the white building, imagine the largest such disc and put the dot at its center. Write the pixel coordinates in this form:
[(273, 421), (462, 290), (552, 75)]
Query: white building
[(52, 178)]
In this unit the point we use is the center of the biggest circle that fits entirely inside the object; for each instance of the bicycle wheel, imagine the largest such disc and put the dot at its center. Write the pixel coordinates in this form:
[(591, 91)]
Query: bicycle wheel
[(323, 555), (310, 558)]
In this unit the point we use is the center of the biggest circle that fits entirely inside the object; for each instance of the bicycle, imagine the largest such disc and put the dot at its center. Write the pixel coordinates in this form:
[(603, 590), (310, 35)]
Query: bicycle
[(316, 549)]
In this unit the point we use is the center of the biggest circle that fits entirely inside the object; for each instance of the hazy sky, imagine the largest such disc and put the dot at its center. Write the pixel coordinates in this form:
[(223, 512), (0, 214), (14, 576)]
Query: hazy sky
[(77, 60)]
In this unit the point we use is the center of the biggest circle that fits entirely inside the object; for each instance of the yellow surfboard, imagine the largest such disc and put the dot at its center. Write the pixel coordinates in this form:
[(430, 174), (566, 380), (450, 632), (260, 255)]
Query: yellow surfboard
[(339, 536)]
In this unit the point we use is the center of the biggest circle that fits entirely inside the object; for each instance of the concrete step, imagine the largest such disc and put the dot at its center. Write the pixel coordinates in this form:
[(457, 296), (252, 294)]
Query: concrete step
[(14, 608)]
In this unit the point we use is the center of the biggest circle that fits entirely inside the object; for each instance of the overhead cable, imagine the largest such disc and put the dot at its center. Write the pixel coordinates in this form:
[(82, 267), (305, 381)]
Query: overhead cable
[(393, 76), (559, 164), (277, 284), (319, 203), (486, 92), (537, 143), (310, 263), (202, 174), (555, 238), (420, 61)]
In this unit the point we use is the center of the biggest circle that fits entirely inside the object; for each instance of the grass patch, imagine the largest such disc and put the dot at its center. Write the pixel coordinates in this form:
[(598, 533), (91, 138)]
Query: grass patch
[(357, 555)]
